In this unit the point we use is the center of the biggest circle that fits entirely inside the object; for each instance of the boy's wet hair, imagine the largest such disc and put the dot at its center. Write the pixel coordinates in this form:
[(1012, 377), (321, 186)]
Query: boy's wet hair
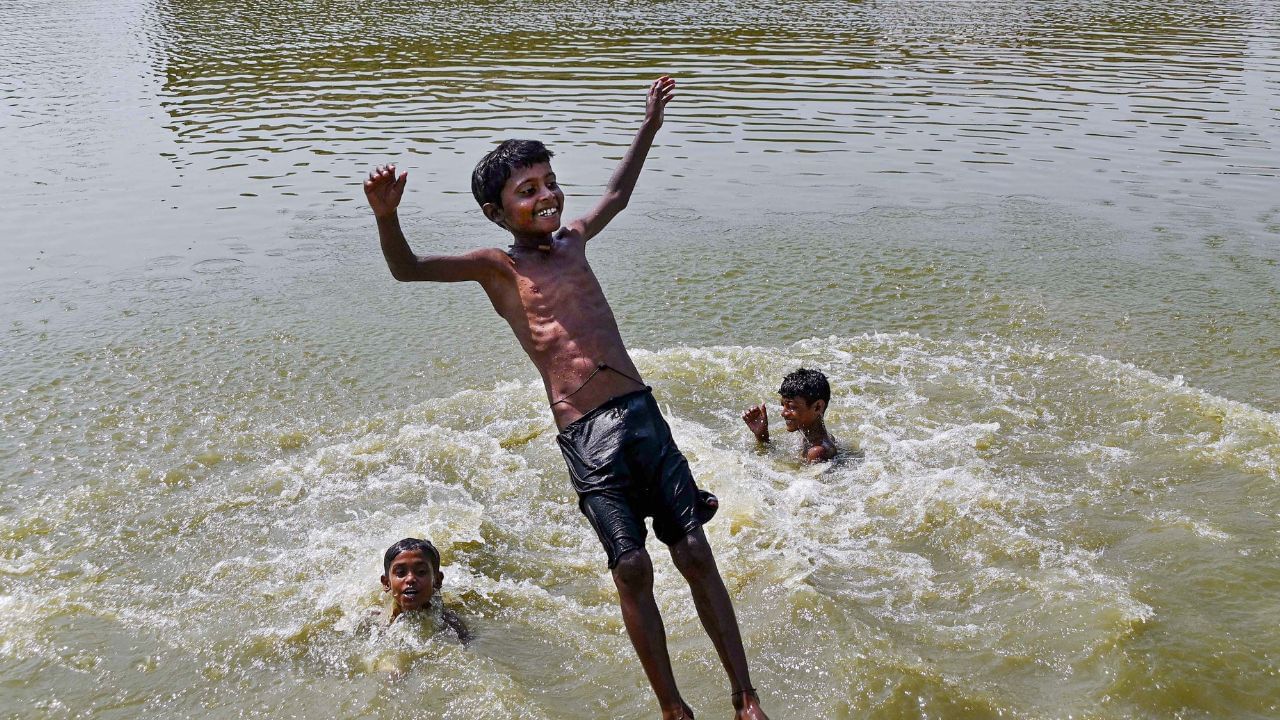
[(806, 383), (406, 545), (494, 169)]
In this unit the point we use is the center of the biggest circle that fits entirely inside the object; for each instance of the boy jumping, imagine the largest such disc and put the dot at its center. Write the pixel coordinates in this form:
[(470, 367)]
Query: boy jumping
[(621, 458)]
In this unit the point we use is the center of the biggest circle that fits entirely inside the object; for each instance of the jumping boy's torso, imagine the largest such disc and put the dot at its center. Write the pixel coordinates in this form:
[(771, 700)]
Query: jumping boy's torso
[(558, 312)]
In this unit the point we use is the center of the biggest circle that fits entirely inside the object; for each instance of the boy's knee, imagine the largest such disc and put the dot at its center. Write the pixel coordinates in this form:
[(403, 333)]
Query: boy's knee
[(634, 570), (692, 555)]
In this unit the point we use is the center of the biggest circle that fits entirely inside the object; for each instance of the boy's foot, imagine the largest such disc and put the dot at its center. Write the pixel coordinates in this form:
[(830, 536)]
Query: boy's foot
[(747, 706), (708, 504)]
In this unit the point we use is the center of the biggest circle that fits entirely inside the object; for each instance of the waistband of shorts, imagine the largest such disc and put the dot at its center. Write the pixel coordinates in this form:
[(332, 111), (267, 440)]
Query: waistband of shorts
[(607, 405)]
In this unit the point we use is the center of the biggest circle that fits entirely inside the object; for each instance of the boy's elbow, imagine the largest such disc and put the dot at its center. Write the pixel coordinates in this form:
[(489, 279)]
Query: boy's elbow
[(402, 273)]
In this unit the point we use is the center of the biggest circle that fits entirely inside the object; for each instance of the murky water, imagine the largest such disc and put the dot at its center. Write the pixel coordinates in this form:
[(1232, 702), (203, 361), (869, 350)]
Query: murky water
[(1032, 244)]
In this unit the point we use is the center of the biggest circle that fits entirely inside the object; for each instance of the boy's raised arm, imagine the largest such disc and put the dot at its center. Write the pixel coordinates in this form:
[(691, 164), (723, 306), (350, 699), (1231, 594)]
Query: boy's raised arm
[(757, 419), (383, 190), (618, 192)]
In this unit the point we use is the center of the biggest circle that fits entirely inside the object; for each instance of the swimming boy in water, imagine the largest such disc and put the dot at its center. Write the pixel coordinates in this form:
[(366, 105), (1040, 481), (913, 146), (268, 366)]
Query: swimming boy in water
[(411, 574), (805, 396), (621, 458)]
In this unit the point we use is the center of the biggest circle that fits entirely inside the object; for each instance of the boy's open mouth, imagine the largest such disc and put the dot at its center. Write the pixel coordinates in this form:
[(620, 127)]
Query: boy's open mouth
[(548, 212)]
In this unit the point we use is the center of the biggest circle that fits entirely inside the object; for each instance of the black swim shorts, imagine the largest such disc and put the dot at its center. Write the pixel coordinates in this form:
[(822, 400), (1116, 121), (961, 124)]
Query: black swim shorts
[(625, 466)]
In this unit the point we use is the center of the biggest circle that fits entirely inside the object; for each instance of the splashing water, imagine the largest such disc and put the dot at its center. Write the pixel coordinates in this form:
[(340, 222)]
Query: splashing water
[(1002, 532)]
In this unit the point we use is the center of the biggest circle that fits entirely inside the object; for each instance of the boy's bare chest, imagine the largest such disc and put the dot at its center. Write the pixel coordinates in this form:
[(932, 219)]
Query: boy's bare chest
[(547, 287)]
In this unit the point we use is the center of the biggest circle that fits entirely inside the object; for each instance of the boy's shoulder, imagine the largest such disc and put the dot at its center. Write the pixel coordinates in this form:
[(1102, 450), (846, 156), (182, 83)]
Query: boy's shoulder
[(821, 452), (485, 263), (489, 254)]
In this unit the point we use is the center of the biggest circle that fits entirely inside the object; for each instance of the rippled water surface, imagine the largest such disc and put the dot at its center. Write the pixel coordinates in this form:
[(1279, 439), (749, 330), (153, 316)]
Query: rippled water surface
[(1033, 244)]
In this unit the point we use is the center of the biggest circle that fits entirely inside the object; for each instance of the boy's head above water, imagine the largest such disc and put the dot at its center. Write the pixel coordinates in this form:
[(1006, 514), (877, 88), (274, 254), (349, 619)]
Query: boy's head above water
[(516, 188), (411, 573), (805, 396)]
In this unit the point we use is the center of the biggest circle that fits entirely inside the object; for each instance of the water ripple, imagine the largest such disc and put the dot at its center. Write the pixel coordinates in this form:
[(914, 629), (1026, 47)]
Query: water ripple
[(1063, 82)]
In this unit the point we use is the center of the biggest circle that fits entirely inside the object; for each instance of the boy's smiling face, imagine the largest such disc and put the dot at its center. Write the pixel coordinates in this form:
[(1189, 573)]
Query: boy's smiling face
[(799, 413), (531, 201), (412, 580)]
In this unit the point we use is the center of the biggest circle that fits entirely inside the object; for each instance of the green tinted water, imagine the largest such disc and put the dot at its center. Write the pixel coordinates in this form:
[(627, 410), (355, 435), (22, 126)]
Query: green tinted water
[(1033, 245)]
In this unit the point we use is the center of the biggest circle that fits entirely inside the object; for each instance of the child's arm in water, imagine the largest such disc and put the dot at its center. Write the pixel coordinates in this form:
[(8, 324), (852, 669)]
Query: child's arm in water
[(383, 190), (757, 420), (455, 623), (618, 192)]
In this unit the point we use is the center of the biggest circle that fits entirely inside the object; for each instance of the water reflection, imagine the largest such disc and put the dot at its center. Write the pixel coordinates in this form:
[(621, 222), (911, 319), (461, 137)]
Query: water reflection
[(926, 86)]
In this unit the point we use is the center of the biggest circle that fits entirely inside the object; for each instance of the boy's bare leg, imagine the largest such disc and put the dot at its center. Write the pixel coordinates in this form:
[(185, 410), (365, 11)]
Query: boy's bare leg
[(692, 556), (633, 577)]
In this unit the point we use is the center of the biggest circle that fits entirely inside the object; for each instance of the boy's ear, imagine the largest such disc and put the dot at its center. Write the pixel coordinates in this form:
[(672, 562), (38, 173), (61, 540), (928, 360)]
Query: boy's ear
[(821, 406), (439, 579), (386, 584), (493, 212)]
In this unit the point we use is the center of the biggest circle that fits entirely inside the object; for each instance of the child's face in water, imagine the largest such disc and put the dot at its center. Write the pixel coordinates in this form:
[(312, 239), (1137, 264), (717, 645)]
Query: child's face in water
[(532, 200), (412, 580), (799, 413)]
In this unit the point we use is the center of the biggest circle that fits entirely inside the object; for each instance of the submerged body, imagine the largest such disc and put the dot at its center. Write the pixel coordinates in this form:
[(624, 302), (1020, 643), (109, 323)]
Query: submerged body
[(805, 396), (411, 575)]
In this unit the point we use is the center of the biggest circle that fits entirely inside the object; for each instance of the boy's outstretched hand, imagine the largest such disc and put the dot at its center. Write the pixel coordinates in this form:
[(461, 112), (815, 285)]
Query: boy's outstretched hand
[(383, 189), (757, 420), (660, 93)]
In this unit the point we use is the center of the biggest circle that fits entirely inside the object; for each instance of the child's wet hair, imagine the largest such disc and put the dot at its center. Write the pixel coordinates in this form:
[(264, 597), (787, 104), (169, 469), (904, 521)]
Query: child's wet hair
[(806, 383), (495, 168), (406, 545)]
